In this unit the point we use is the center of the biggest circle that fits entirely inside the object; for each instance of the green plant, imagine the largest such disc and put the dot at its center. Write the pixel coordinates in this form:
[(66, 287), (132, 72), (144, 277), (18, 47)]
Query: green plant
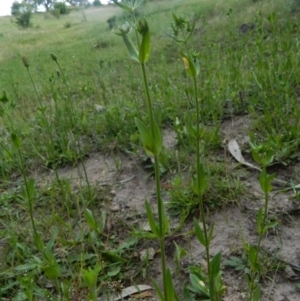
[(111, 22), (61, 7), (202, 286), (179, 254), (22, 13), (151, 138), (23, 18), (90, 279), (211, 286), (239, 263), (29, 183), (16, 8), (264, 157), (68, 24), (97, 3)]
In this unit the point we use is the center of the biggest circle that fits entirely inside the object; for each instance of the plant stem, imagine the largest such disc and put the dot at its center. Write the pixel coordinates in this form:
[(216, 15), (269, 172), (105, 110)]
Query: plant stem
[(41, 106), (149, 104), (69, 104), (200, 199), (160, 205), (260, 239), (160, 220), (23, 172), (136, 33), (29, 199)]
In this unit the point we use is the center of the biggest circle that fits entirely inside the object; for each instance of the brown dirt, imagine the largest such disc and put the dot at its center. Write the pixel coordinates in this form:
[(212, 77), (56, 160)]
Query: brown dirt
[(234, 226), (131, 184)]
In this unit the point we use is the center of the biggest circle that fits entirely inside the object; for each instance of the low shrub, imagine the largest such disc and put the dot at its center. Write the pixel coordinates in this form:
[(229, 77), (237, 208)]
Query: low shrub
[(62, 8)]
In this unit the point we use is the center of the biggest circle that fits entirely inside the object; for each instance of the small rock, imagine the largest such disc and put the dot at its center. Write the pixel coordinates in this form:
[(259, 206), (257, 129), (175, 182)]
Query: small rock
[(146, 227), (147, 254), (113, 192), (115, 207)]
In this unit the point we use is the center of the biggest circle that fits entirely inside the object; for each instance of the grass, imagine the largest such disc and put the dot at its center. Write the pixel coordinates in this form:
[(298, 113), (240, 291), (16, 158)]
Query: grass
[(254, 74)]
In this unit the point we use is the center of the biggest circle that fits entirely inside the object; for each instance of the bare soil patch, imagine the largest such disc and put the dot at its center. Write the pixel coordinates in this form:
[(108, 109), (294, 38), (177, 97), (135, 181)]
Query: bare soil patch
[(235, 226)]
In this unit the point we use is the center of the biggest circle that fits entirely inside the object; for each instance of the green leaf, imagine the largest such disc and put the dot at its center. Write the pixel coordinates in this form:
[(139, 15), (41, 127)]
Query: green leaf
[(199, 233), (256, 80), (102, 223), (27, 267), (123, 5), (269, 157), (143, 234), (15, 140), (199, 286), (112, 256), (38, 242), (146, 136), (131, 48), (210, 233), (189, 65), (234, 262), (265, 181), (4, 97), (187, 296), (51, 267), (52, 272), (259, 221), (126, 245), (256, 157), (256, 293), (114, 271), (215, 266), (90, 219), (151, 220), (31, 188), (129, 5), (252, 256), (262, 180), (145, 45), (202, 181), (196, 65), (270, 225), (123, 32), (165, 220), (170, 287), (158, 291), (80, 257), (179, 252), (90, 276), (195, 185), (158, 140)]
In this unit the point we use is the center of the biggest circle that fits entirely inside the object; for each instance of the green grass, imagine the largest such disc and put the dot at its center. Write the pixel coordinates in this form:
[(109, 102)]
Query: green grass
[(255, 74)]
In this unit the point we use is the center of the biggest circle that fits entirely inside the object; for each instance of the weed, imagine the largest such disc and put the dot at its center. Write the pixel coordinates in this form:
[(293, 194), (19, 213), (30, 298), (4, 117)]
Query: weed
[(239, 263), (151, 138), (264, 157)]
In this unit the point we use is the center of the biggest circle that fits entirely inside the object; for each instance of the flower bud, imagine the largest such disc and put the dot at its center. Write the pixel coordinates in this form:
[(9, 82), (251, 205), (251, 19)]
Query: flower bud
[(53, 56), (142, 27), (25, 61)]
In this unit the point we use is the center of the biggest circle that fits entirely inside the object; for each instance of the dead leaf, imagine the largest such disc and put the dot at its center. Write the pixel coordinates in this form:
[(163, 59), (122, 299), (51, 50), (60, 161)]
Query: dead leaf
[(131, 290), (142, 295), (290, 274), (147, 254), (235, 151)]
